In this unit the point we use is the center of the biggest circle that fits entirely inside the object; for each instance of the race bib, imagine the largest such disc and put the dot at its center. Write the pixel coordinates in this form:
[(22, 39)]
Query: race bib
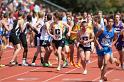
[(85, 39), (58, 33)]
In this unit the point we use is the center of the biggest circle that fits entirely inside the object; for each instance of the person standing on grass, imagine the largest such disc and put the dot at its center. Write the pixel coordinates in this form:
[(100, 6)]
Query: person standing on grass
[(85, 39), (105, 39)]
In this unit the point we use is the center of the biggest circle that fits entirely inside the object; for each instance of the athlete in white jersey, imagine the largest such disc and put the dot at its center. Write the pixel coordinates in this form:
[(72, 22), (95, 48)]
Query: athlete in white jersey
[(85, 39), (57, 35), (37, 28)]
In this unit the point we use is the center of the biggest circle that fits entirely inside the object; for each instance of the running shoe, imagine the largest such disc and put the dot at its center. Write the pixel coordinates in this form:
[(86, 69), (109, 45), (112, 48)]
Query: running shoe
[(85, 72), (33, 64), (50, 64), (25, 64), (46, 65), (65, 63), (58, 68), (13, 63), (1, 65)]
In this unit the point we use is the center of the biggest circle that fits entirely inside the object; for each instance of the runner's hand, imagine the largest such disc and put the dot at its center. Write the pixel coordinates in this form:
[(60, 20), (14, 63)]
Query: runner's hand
[(100, 47)]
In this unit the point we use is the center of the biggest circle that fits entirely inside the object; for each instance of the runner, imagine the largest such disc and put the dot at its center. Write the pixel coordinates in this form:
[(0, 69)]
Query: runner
[(14, 38), (85, 39), (118, 25), (106, 39), (72, 39), (120, 47), (37, 28), (45, 42), (1, 50), (58, 28), (23, 39)]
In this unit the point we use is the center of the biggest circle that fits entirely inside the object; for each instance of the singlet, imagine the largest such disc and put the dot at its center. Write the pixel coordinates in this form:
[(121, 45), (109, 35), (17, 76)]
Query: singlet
[(25, 28), (90, 27), (118, 28), (43, 32), (102, 22), (1, 31), (95, 30), (58, 31), (85, 37), (105, 39), (75, 28), (15, 29), (120, 40), (34, 20)]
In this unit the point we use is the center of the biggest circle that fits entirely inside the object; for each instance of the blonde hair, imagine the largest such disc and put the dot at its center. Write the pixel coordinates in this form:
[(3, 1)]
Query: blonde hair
[(40, 14)]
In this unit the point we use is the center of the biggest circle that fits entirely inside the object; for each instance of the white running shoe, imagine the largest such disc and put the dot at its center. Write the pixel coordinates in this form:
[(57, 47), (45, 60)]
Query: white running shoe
[(33, 64), (24, 64), (100, 80), (58, 68), (85, 72)]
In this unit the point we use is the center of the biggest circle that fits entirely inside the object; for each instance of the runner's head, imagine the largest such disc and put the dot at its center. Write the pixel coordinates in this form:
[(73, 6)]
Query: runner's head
[(110, 22), (84, 24), (100, 14), (40, 14), (20, 14), (29, 18), (58, 15), (117, 18), (96, 21), (49, 17), (69, 18)]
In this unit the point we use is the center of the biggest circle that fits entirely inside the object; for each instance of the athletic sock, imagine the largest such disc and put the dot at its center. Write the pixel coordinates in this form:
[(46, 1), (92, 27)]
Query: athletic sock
[(35, 57), (42, 60)]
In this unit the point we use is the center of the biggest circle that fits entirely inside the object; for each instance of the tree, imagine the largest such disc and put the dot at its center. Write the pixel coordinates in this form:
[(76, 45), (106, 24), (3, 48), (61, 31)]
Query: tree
[(90, 5)]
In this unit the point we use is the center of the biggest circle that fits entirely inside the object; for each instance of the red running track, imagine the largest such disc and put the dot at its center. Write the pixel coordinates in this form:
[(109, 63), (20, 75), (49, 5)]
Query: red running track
[(44, 74)]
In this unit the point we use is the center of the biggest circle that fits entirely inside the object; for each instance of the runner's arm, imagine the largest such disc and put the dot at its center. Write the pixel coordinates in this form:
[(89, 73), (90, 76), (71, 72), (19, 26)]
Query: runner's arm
[(6, 26), (96, 37)]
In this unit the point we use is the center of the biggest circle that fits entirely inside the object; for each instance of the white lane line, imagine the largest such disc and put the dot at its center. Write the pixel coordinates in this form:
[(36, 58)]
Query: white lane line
[(99, 76), (9, 57), (19, 74), (64, 74)]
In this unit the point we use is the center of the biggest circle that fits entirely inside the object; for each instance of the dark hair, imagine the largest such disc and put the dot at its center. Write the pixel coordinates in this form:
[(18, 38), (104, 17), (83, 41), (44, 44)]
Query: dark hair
[(49, 17), (110, 17), (29, 18), (5, 15), (96, 19), (58, 15), (20, 13)]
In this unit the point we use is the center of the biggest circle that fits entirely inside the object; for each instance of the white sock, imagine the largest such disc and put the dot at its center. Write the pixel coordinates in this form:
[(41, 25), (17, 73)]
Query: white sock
[(23, 60)]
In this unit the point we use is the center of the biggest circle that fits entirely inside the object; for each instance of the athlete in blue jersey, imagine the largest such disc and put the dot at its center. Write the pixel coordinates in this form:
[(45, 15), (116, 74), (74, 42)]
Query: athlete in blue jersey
[(106, 38), (1, 51)]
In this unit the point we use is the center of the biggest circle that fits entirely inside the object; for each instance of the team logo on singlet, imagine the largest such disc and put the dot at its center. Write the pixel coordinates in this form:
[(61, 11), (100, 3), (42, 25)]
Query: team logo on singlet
[(106, 40)]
